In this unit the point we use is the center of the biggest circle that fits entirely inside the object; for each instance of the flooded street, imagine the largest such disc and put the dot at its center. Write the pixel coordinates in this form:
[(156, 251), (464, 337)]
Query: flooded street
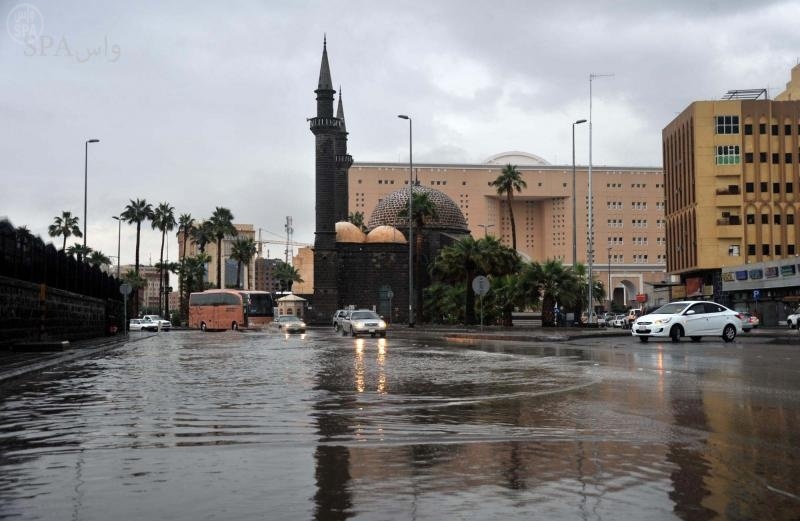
[(189, 426)]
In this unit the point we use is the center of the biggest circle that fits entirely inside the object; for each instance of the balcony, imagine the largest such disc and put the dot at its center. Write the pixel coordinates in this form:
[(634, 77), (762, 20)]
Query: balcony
[(729, 190)]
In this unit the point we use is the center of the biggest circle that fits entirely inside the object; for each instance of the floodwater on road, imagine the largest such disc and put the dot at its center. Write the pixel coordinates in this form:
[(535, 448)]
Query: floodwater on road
[(243, 425)]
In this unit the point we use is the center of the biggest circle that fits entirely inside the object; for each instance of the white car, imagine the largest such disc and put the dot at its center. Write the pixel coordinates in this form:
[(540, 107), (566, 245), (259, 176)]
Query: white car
[(793, 319), (691, 318), (137, 324), (363, 321), (619, 321), (156, 322)]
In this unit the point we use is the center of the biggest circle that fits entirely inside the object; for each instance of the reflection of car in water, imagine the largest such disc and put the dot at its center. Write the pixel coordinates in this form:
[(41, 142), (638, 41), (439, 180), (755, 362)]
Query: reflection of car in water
[(363, 321), (289, 324), (694, 319)]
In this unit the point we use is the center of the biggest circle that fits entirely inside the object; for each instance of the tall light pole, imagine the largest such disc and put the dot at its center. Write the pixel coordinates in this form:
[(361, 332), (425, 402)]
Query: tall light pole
[(485, 228), (609, 280), (410, 225), (590, 251), (119, 236), (574, 200), (86, 184)]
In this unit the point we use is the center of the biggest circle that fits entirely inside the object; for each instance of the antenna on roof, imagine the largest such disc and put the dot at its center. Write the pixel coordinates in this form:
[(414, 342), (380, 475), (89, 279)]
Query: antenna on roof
[(746, 94)]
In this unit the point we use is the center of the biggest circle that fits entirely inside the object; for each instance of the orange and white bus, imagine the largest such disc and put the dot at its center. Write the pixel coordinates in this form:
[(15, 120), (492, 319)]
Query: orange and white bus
[(220, 309)]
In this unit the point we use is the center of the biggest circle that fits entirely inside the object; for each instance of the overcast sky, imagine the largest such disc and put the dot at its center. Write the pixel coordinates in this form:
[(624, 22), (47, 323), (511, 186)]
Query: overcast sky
[(204, 104)]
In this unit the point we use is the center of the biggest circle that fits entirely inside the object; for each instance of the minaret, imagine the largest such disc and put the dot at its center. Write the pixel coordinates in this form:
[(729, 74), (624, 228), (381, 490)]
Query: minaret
[(343, 163), (326, 129)]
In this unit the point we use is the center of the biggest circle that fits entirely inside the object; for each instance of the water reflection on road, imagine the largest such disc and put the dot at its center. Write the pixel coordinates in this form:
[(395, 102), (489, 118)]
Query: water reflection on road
[(262, 425)]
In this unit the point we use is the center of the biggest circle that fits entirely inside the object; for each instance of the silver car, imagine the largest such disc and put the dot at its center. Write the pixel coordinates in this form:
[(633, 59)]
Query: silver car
[(363, 322), (691, 318)]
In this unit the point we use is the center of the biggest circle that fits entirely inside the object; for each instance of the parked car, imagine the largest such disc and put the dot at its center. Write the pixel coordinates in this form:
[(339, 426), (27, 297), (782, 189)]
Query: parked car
[(337, 318), (749, 321), (793, 319), (632, 315), (363, 321), (599, 320), (619, 321), (691, 318), (157, 321), (137, 324), (289, 324)]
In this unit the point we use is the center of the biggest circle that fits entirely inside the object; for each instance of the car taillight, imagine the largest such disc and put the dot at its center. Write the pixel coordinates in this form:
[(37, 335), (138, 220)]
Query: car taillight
[(739, 316)]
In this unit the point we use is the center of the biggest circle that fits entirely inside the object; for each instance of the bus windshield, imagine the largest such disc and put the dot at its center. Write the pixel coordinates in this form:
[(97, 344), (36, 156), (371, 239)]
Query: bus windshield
[(258, 304)]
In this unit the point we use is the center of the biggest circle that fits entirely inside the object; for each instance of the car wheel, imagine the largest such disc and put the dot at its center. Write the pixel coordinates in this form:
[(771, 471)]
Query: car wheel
[(696, 338), (644, 339), (203, 327), (352, 332), (729, 333), (789, 323), (336, 327), (676, 333), (235, 326)]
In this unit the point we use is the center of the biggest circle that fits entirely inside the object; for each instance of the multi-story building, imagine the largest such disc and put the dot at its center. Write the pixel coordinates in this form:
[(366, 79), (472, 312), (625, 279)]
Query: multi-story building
[(732, 194), (628, 212), (148, 295), (228, 266), (265, 274)]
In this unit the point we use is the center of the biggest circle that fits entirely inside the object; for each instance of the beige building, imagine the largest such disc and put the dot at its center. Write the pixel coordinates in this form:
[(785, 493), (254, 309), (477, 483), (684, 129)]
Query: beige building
[(148, 295), (628, 212), (732, 179), (228, 275)]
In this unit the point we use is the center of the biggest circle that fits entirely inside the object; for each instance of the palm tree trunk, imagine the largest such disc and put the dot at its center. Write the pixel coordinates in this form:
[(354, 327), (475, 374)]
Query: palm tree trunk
[(64, 245), (161, 271), (509, 197)]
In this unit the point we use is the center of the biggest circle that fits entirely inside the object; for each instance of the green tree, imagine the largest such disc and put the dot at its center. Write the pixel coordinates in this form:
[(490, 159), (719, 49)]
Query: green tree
[(557, 285), (98, 258), (287, 275), (202, 235), (67, 226), (242, 251), (357, 218), (137, 212), (509, 181), (424, 211), (191, 273), (79, 251), (186, 229), (164, 221), (137, 283), (221, 226)]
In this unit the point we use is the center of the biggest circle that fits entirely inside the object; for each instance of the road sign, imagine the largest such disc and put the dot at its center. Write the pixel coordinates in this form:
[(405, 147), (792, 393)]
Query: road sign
[(125, 289), (390, 294), (480, 285), (756, 294)]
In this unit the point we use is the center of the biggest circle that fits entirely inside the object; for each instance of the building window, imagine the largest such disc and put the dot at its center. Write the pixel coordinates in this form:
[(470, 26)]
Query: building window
[(789, 188), (790, 249), (774, 130), (751, 219), (762, 128), (787, 130), (728, 155), (748, 129), (764, 219), (776, 158), (733, 250), (790, 218), (787, 159), (727, 124), (748, 158), (763, 186), (778, 249), (751, 249), (749, 188), (762, 157), (776, 188), (775, 219), (765, 249)]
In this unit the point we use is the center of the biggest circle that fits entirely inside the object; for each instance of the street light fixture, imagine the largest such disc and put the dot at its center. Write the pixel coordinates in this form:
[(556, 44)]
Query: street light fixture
[(485, 228), (574, 200), (119, 236), (86, 184), (410, 226)]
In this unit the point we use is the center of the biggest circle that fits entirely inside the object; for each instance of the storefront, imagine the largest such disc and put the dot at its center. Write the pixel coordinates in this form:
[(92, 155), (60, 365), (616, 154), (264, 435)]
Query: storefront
[(771, 289)]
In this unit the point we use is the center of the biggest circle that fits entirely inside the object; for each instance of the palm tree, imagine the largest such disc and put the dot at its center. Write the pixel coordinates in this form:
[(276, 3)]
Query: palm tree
[(79, 251), (163, 220), (185, 227), (557, 285), (191, 272), (242, 251), (287, 275), (510, 180), (202, 235), (98, 258), (65, 225), (136, 212), (221, 226), (357, 218), (424, 211), (136, 282)]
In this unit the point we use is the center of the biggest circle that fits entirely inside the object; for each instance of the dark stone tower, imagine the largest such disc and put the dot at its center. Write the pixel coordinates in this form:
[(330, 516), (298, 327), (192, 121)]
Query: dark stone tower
[(343, 163), (327, 130)]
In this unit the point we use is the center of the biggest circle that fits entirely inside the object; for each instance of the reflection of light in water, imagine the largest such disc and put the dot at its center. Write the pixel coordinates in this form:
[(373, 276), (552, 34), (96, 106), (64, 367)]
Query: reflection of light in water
[(660, 362), (381, 366), (303, 336), (359, 370)]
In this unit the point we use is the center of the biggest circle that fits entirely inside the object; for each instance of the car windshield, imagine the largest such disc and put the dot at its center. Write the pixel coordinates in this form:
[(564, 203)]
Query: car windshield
[(361, 315), (288, 318), (671, 309)]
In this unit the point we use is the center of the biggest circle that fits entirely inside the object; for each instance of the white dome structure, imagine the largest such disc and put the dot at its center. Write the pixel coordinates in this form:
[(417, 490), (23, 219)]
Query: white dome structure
[(349, 232), (516, 158)]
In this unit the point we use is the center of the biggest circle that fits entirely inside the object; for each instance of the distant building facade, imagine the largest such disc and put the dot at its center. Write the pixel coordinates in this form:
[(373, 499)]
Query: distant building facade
[(229, 268)]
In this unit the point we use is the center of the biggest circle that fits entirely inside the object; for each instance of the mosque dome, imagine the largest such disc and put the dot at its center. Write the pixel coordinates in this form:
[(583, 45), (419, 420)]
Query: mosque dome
[(349, 232), (516, 158), (386, 234), (387, 211)]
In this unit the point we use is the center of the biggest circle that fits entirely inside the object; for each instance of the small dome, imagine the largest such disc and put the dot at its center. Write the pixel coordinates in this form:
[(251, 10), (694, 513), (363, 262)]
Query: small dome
[(387, 211), (516, 158), (349, 232), (386, 234)]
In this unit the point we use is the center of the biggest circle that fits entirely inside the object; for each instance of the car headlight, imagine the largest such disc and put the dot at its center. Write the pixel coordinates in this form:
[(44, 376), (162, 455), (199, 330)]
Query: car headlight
[(302, 324), (381, 324), (359, 324), (662, 321)]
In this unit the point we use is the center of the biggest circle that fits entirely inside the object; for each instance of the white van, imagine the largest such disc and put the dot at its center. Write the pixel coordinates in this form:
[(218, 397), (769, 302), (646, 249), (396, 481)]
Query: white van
[(633, 314)]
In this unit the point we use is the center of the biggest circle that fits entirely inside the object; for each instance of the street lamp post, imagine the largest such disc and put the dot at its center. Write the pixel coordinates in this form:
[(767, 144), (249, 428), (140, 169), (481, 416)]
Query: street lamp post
[(574, 200), (609, 280), (485, 228), (86, 184), (590, 252), (410, 225), (119, 236)]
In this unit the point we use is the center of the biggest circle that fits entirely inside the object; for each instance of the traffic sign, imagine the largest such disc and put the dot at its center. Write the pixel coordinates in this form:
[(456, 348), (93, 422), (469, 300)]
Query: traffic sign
[(756, 294), (480, 285), (125, 289)]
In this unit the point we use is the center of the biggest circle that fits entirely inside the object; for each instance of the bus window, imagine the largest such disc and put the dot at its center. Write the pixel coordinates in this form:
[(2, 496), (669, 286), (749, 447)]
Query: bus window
[(258, 308), (216, 310)]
